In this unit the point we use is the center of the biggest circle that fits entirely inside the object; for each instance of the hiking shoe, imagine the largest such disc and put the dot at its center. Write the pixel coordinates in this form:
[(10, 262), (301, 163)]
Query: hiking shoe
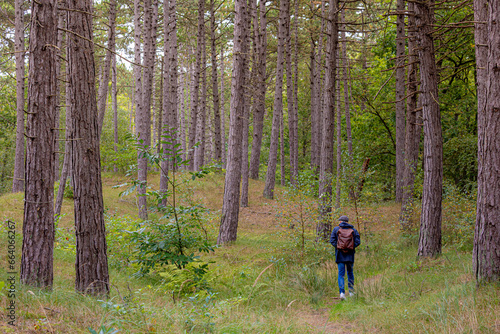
[(351, 293), (342, 296)]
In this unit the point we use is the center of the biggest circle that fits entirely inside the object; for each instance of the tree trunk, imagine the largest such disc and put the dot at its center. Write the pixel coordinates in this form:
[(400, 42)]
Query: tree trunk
[(38, 224), (114, 94), (259, 109), (345, 66), (196, 84), (486, 253), (244, 150), (295, 147), (430, 221), (169, 90), (18, 182), (413, 129), (57, 120), (102, 95), (317, 111), (215, 86), (400, 97), (91, 260), (182, 111), (230, 207), (339, 145), (223, 109), (326, 167), (278, 103), (292, 117), (199, 159)]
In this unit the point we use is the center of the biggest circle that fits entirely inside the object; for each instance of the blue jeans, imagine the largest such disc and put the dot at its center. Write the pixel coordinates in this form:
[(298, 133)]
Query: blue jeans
[(350, 276)]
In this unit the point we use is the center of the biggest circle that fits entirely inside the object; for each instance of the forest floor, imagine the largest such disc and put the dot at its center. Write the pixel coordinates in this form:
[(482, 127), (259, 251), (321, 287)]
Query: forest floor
[(263, 283)]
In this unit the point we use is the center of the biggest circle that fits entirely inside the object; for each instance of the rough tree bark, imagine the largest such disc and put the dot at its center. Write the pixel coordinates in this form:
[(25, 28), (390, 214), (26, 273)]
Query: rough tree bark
[(292, 117), (323, 228), (169, 89), (413, 129), (215, 86), (222, 109), (18, 182), (196, 84), (278, 103), (259, 109), (91, 259), (199, 159), (339, 145), (38, 224), (486, 253), (400, 97), (430, 221), (231, 203), (102, 94)]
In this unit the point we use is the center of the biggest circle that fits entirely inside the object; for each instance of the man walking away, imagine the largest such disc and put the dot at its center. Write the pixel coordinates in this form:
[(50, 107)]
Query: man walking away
[(345, 238)]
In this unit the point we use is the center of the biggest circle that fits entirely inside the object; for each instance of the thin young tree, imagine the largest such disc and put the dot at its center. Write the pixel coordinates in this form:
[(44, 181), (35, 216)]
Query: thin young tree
[(91, 265), (38, 224), (231, 202), (486, 252), (278, 102), (215, 86), (430, 218), (199, 159), (323, 228), (18, 181)]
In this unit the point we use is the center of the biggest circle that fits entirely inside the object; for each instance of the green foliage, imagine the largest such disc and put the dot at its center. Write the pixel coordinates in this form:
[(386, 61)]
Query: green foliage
[(120, 241), (186, 280), (460, 162)]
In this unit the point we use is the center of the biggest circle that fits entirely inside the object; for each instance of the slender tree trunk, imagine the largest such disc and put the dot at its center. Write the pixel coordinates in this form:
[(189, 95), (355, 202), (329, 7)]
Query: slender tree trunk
[(278, 103), (282, 149), (230, 206), (326, 167), (486, 253), (38, 224), (339, 145), (215, 86), (18, 182), (314, 114), (114, 97), (223, 109), (317, 112), (102, 95), (292, 130), (259, 109), (413, 129), (202, 114), (400, 97), (184, 84), (244, 151), (295, 147), (430, 221), (91, 259), (66, 168), (161, 110), (345, 63), (196, 84)]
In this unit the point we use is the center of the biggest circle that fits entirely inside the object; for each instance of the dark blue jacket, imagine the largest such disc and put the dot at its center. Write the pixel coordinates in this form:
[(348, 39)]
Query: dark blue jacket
[(341, 257)]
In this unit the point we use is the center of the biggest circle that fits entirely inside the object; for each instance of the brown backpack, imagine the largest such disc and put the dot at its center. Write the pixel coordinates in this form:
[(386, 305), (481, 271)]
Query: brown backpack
[(345, 239)]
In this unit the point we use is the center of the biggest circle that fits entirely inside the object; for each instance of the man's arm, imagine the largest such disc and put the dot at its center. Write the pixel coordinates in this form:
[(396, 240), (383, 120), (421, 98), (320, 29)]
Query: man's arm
[(333, 237), (357, 238)]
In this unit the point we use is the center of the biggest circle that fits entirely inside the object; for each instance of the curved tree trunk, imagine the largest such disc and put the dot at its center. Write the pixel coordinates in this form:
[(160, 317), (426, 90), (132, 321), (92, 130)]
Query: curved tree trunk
[(278, 103), (430, 221), (38, 224), (486, 253), (91, 259), (323, 228), (231, 201)]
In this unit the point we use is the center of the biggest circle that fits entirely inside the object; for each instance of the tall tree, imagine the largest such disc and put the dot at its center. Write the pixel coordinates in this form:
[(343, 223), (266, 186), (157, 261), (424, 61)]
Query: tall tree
[(18, 181), (215, 85), (430, 218), (293, 136), (102, 95), (199, 159), (259, 108), (326, 167), (38, 224), (231, 201), (400, 96), (196, 84), (278, 102), (486, 253), (223, 109), (170, 88), (413, 129)]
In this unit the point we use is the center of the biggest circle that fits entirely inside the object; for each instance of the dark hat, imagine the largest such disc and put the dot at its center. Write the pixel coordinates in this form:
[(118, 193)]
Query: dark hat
[(344, 218)]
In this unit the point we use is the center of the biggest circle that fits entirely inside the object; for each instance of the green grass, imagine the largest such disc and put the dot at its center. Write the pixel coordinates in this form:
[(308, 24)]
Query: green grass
[(262, 283)]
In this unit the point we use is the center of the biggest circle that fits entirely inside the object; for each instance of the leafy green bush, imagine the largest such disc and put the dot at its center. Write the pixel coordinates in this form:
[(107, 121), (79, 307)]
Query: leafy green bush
[(460, 161)]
